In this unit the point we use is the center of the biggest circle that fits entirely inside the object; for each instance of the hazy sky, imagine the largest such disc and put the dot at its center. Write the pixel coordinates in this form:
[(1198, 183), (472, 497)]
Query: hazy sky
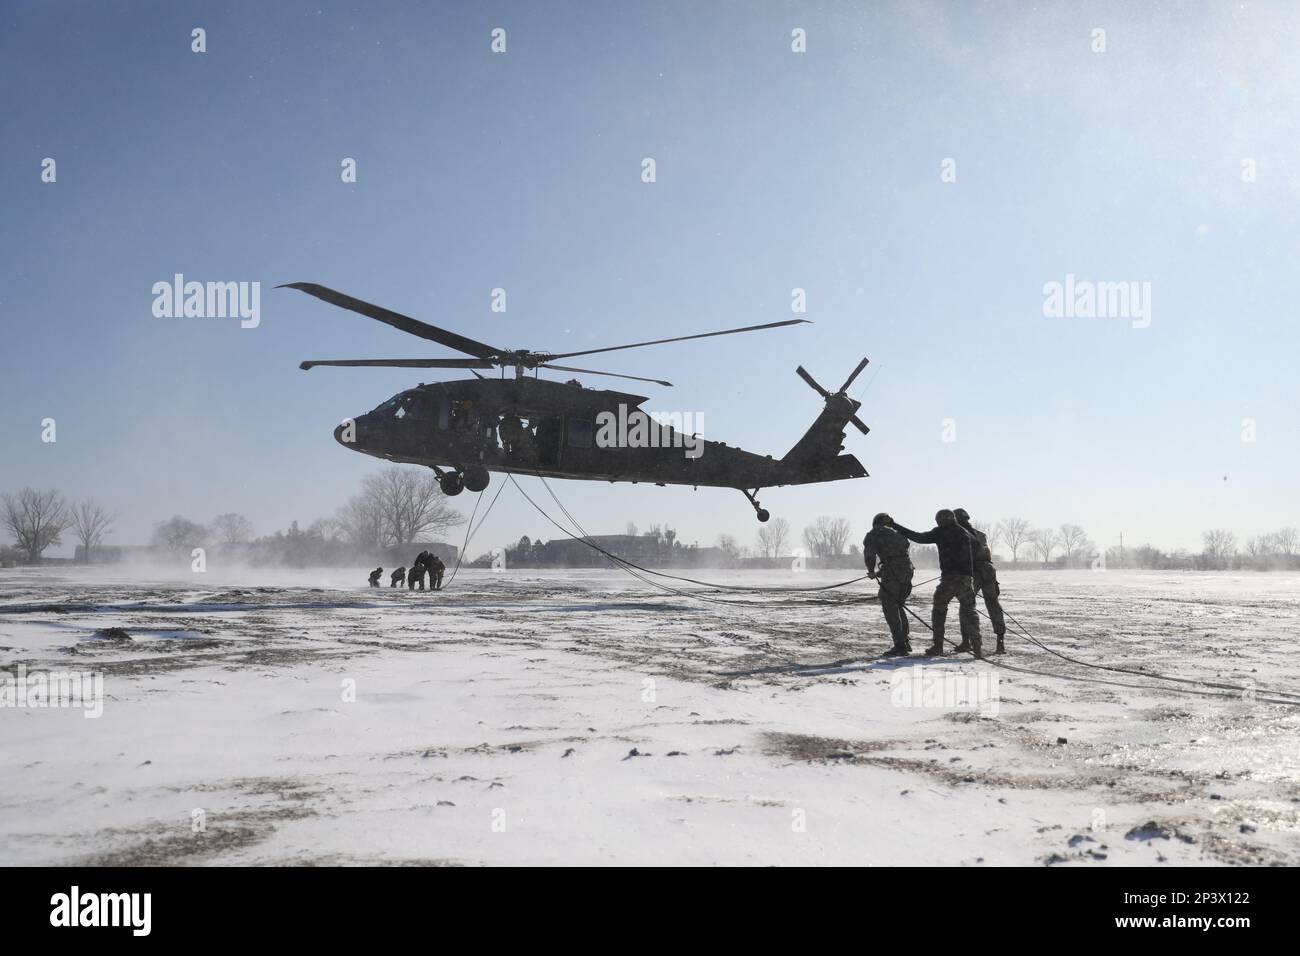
[(775, 170)]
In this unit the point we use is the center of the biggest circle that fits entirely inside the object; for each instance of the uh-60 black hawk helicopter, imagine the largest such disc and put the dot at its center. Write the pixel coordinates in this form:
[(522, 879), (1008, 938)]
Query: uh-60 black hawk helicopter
[(466, 429)]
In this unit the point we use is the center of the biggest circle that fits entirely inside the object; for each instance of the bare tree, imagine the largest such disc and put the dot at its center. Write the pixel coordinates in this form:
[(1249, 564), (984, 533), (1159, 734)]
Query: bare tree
[(730, 547), (36, 519), (231, 528), (773, 537), (1286, 540), (91, 522), (1219, 545), (361, 524), (1045, 541), (630, 530), (827, 537), (179, 534), (1016, 533), (1073, 539), (410, 503)]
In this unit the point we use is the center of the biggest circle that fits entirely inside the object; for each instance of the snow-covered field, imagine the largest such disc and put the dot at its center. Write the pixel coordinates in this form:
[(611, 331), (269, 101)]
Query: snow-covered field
[(583, 717)]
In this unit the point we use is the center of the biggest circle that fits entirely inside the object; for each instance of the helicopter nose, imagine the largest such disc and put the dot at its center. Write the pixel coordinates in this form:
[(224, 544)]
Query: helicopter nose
[(347, 433)]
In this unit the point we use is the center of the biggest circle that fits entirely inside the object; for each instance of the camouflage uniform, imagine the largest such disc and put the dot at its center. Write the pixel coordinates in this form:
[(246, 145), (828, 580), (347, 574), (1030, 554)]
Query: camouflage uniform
[(986, 580), (957, 586), (956, 566), (894, 578)]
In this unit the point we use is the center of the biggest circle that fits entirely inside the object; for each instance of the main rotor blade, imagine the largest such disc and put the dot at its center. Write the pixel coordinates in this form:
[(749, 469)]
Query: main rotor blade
[(404, 322), (587, 371), (400, 363), (680, 338)]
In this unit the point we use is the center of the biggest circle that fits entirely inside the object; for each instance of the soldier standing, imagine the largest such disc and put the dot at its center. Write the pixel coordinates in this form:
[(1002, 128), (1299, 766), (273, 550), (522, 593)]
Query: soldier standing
[(956, 569), (398, 578), (436, 571), (374, 577), (985, 579), (894, 578)]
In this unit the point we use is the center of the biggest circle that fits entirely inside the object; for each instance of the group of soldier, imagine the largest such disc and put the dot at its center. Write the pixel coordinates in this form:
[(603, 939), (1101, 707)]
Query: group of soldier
[(425, 563), (965, 568)]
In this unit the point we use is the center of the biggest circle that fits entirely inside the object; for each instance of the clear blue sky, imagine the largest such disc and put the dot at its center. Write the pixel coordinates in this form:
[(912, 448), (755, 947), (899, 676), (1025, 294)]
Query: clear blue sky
[(775, 170)]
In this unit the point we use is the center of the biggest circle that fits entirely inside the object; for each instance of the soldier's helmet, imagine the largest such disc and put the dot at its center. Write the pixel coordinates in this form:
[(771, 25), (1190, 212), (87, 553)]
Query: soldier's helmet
[(945, 516), (880, 520), (962, 514)]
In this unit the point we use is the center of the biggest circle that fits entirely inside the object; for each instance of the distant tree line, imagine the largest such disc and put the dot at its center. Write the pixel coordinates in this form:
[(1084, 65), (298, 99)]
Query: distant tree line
[(396, 507)]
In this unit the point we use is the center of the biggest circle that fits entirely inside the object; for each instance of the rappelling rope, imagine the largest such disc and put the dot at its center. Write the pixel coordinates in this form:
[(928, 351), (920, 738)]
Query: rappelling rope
[(636, 571), (676, 577), (640, 573), (471, 529)]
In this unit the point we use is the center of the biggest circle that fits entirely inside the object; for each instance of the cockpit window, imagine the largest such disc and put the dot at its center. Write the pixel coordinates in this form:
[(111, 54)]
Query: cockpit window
[(406, 405)]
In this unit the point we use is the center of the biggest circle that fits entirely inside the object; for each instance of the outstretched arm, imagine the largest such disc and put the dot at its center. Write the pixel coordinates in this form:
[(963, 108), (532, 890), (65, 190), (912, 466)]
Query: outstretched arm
[(919, 537)]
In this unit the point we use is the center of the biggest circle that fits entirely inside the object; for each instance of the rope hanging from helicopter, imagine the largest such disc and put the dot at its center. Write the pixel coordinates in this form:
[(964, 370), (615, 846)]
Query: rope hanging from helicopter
[(585, 539), (640, 573)]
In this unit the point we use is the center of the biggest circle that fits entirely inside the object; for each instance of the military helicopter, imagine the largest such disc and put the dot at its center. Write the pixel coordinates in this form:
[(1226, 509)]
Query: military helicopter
[(466, 429)]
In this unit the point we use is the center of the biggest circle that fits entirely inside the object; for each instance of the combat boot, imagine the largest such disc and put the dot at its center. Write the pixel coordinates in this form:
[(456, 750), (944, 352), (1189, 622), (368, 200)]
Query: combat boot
[(977, 649), (1002, 648), (963, 647), (898, 650), (934, 650)]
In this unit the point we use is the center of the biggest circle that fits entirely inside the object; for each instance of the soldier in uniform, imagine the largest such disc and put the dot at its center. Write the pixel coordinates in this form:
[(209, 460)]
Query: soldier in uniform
[(985, 579), (398, 578), (894, 578), (956, 569), (416, 574), (374, 577), (436, 570)]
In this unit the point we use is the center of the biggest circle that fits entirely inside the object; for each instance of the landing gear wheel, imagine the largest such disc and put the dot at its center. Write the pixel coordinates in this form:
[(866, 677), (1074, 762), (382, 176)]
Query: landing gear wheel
[(476, 478), (452, 484), (753, 500)]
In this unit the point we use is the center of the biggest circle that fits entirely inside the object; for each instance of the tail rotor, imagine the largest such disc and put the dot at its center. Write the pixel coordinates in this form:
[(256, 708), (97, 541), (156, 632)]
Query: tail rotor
[(841, 395)]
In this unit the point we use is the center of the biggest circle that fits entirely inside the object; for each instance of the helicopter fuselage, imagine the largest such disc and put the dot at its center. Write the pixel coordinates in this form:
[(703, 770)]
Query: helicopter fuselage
[(534, 426)]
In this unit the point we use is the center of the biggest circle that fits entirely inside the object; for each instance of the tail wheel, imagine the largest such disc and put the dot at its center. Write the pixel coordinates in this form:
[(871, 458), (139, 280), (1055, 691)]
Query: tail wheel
[(763, 514), (452, 484), (476, 478)]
